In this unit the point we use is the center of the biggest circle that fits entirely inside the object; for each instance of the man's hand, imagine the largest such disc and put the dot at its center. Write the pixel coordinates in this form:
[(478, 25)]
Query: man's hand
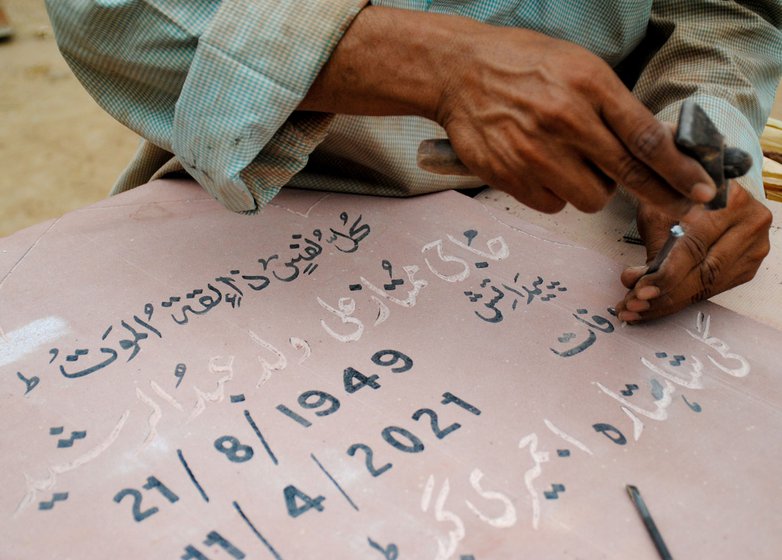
[(540, 118), (549, 122), (721, 249)]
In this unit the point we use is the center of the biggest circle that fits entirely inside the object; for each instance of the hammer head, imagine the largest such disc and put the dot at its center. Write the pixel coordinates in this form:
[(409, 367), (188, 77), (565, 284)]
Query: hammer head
[(698, 137)]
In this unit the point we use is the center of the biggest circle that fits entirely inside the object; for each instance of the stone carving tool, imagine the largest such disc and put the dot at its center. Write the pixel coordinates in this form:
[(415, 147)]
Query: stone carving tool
[(698, 137), (646, 517)]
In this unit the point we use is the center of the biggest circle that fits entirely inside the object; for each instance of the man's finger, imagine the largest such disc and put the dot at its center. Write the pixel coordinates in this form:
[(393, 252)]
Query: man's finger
[(690, 273), (611, 156), (652, 142), (582, 185), (534, 196), (630, 276)]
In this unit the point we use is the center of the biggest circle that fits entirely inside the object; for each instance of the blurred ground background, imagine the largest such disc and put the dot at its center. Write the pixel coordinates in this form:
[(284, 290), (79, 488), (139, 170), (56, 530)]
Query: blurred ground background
[(58, 149)]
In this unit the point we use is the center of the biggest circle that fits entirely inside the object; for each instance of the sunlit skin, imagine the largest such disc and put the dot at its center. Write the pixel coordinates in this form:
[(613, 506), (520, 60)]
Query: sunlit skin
[(551, 124)]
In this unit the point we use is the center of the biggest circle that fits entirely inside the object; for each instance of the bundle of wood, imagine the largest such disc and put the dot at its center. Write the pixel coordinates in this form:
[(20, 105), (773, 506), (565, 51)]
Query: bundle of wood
[(771, 143)]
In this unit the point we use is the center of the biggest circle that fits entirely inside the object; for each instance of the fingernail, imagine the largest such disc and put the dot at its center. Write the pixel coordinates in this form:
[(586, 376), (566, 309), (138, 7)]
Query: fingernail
[(629, 316), (648, 292), (703, 192), (638, 305)]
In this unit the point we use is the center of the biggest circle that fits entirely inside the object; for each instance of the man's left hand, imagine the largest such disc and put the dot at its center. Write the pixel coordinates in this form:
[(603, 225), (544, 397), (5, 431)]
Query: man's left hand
[(721, 249)]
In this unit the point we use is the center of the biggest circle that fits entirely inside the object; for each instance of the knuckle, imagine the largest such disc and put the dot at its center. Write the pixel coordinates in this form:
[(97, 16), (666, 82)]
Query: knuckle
[(633, 173), (600, 189), (710, 270), (746, 276), (753, 210), (751, 265), (557, 114), (499, 165), (511, 174), (765, 249), (590, 75), (531, 157), (479, 160), (553, 118), (647, 139), (761, 250), (764, 219)]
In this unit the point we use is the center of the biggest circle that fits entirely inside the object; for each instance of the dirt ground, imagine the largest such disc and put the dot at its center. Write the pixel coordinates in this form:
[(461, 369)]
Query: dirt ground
[(58, 149)]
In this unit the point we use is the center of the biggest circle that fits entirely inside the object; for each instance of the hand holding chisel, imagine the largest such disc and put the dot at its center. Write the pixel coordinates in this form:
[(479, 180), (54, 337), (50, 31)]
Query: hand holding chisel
[(699, 138), (725, 241)]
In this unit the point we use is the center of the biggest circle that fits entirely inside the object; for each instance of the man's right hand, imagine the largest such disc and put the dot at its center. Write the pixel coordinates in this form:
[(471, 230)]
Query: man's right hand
[(720, 250), (540, 118)]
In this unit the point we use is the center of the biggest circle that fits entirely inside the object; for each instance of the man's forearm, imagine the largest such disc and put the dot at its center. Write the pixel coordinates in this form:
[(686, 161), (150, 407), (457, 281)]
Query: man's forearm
[(538, 117), (390, 62)]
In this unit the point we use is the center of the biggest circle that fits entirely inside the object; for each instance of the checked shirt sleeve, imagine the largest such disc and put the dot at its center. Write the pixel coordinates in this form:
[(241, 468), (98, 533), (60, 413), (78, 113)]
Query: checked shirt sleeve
[(727, 56), (215, 83)]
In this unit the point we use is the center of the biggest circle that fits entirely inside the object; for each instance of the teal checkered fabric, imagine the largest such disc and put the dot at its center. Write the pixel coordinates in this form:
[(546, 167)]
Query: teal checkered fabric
[(213, 86)]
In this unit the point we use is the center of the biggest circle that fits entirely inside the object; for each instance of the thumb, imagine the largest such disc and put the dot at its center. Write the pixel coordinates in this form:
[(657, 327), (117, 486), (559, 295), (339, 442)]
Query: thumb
[(654, 228)]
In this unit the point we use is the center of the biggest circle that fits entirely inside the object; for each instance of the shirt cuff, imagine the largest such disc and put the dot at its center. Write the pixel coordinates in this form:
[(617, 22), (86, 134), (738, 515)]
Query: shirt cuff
[(233, 130), (738, 132)]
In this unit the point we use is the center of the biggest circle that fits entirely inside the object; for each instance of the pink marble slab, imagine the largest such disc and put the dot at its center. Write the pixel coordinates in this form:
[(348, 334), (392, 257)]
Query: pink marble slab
[(359, 377)]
